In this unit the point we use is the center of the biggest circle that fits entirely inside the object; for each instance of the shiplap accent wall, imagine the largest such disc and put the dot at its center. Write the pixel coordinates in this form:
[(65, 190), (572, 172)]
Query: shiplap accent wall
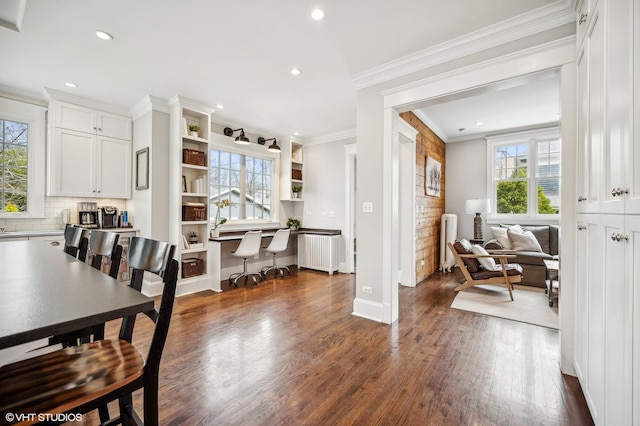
[(428, 209)]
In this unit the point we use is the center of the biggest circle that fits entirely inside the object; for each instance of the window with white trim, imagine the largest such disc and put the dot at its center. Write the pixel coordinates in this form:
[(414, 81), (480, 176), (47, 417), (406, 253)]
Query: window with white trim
[(14, 142), (246, 181), (22, 159), (524, 181)]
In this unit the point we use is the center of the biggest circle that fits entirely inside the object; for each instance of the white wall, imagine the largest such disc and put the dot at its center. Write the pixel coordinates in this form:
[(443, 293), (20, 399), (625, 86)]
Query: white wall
[(325, 187), (466, 178)]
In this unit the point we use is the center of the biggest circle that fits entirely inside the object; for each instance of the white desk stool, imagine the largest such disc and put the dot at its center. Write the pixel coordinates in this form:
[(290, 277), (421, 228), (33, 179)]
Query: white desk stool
[(249, 246), (278, 244)]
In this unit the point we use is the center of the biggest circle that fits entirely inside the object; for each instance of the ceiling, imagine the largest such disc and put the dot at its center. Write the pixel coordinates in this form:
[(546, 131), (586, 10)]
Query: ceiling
[(239, 54)]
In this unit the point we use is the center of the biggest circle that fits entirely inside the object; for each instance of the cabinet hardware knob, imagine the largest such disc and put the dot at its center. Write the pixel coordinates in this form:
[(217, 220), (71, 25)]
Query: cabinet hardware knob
[(581, 227), (582, 199), (100, 128), (615, 237), (614, 192), (583, 18), (94, 128)]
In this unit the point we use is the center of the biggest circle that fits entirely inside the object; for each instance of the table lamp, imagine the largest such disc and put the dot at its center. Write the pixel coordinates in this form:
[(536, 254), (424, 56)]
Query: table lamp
[(478, 206)]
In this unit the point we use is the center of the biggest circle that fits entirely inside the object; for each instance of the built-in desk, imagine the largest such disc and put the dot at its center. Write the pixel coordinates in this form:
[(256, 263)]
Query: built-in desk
[(217, 255)]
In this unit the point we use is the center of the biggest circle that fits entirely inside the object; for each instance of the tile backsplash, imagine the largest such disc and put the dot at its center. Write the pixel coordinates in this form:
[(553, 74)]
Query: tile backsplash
[(53, 207)]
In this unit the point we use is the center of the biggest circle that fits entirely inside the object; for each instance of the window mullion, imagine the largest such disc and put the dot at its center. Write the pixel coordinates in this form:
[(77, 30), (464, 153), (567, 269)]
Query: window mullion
[(243, 187)]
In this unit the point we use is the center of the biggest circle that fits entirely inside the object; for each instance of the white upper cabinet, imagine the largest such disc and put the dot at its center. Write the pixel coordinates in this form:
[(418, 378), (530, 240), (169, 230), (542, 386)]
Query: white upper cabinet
[(88, 120), (89, 153)]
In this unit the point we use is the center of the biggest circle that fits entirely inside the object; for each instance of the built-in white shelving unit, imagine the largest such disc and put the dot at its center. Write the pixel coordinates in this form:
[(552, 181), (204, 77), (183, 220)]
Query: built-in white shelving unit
[(190, 212)]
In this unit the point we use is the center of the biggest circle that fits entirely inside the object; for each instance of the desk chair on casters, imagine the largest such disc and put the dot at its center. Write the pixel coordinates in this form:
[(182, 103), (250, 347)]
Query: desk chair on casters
[(249, 246), (106, 370), (278, 244)]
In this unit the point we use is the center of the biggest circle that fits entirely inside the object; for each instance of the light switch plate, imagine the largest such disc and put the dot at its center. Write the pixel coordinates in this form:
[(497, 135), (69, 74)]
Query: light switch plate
[(367, 207)]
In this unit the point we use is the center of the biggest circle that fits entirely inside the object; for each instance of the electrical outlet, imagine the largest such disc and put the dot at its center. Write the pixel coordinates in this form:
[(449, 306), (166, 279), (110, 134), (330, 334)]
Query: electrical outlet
[(257, 256), (422, 263), (367, 289)]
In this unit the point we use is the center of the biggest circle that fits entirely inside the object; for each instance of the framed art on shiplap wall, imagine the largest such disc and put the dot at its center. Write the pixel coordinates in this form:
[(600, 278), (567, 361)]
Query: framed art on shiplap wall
[(432, 177)]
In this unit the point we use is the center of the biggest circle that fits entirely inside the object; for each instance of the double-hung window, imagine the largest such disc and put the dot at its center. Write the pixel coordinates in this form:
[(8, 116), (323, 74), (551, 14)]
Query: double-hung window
[(246, 182), (22, 165), (14, 138), (524, 178)]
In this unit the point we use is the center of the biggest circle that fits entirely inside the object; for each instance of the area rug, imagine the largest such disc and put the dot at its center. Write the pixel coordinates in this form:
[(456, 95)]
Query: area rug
[(530, 305)]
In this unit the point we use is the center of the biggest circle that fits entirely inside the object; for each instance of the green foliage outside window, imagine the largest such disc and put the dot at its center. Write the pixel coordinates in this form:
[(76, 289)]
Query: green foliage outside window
[(13, 166), (511, 196)]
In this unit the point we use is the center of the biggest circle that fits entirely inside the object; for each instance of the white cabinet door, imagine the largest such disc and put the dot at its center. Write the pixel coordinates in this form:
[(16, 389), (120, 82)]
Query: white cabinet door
[(89, 120), (594, 392), (72, 164), (618, 107), (582, 292), (618, 295), (591, 131), (632, 230), (75, 117), (114, 126), (113, 168)]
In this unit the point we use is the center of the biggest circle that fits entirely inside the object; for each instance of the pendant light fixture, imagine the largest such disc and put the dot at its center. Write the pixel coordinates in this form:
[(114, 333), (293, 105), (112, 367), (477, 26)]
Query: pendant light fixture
[(273, 147), (240, 140)]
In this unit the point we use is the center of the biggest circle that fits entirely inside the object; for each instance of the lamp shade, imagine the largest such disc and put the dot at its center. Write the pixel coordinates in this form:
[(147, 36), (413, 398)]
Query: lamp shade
[(478, 205)]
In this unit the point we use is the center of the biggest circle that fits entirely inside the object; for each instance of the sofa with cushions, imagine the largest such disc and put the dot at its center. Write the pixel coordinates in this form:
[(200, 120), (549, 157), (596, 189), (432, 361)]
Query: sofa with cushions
[(532, 244)]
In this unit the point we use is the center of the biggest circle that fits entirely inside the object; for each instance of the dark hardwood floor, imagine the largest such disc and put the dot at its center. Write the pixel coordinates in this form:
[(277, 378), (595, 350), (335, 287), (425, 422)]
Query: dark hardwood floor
[(289, 352)]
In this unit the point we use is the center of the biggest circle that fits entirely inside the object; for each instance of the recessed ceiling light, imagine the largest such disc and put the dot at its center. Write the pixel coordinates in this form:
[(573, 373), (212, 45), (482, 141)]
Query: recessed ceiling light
[(219, 106), (317, 14), (296, 133), (479, 123), (71, 85), (104, 35), (296, 71)]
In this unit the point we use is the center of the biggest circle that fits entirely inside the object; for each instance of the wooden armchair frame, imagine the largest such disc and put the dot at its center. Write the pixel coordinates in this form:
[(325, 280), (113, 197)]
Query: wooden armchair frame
[(504, 279)]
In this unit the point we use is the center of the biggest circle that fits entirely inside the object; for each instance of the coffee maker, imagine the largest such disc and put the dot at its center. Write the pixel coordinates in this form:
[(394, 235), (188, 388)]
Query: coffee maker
[(109, 217), (88, 215)]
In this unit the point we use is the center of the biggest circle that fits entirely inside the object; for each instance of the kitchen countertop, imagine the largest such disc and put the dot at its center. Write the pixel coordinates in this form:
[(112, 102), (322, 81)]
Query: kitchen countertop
[(231, 236), (53, 232)]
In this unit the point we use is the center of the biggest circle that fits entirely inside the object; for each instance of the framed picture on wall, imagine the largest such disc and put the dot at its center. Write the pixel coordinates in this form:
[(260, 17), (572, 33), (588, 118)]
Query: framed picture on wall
[(432, 177), (142, 169)]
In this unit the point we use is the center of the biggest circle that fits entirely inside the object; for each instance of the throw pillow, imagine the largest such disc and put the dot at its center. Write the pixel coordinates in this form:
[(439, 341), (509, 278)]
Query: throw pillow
[(464, 247), (500, 234), (488, 263), (542, 235), (524, 242)]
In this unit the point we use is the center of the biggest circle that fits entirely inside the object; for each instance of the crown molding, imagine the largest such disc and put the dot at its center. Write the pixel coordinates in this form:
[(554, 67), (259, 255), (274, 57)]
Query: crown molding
[(430, 124), (57, 95), (149, 103), (563, 50), (332, 137), (518, 27)]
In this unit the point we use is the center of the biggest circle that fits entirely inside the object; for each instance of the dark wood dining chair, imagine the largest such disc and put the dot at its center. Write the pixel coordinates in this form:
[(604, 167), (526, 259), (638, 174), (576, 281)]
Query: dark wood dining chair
[(102, 244), (75, 242), (83, 378)]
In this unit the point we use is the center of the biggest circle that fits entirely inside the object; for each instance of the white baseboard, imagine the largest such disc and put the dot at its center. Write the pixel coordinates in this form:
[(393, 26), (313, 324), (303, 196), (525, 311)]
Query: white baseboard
[(367, 309)]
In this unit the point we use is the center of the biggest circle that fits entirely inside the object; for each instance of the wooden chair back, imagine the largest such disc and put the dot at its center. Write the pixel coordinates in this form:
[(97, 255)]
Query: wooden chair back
[(75, 242), (89, 376), (105, 244)]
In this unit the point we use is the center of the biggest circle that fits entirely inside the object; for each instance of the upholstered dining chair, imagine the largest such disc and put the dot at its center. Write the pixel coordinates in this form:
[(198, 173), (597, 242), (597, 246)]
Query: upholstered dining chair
[(249, 246), (279, 243), (85, 377)]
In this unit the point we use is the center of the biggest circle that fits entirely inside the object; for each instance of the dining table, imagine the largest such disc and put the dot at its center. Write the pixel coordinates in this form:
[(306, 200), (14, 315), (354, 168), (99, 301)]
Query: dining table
[(46, 292)]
